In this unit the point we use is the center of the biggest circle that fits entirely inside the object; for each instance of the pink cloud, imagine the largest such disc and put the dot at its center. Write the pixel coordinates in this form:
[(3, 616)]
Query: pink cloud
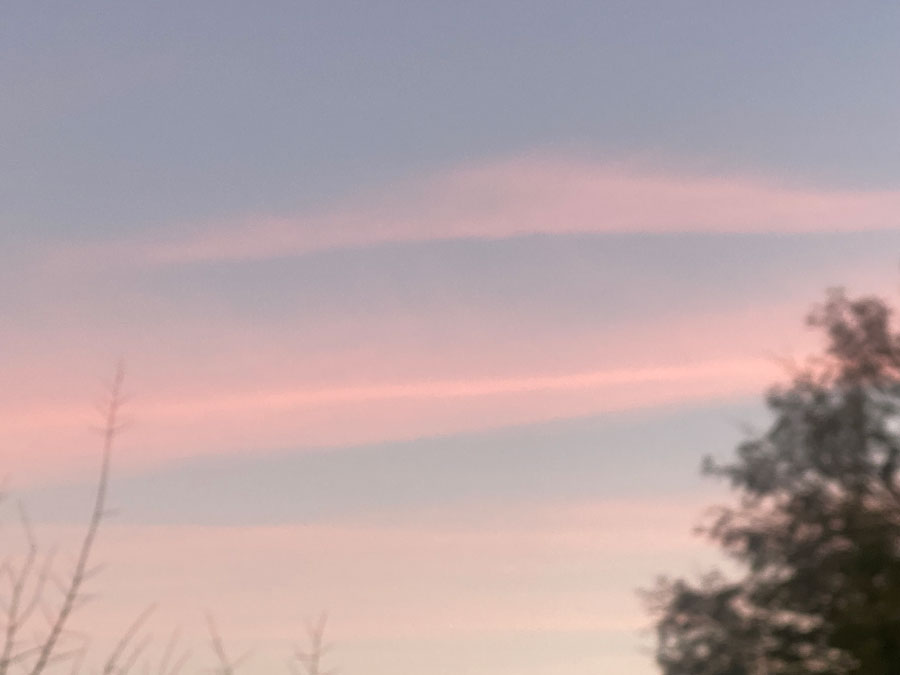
[(530, 196), (241, 421), (246, 392)]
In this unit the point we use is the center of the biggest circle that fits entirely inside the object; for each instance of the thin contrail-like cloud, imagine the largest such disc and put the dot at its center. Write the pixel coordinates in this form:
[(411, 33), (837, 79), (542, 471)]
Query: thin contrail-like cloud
[(523, 197)]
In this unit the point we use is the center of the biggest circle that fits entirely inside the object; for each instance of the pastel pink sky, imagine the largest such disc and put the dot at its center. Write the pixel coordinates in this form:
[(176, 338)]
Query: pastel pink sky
[(515, 197), (429, 310), (216, 385), (213, 379), (189, 403), (456, 576)]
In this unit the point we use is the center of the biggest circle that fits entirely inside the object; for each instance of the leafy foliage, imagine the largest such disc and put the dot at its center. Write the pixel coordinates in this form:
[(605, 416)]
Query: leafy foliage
[(816, 527)]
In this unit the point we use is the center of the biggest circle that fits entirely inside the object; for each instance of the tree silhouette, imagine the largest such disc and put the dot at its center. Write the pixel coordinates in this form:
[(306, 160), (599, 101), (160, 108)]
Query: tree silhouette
[(27, 645), (37, 604), (816, 526)]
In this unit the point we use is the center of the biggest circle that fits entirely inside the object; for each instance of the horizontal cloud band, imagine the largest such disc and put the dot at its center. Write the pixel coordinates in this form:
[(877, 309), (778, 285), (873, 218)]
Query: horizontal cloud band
[(524, 197)]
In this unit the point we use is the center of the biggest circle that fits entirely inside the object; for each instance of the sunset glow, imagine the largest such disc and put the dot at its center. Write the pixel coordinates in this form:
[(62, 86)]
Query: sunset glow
[(428, 313)]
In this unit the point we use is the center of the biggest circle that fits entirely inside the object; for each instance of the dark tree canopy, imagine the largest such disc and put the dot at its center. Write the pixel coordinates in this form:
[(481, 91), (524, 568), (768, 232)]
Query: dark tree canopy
[(816, 524)]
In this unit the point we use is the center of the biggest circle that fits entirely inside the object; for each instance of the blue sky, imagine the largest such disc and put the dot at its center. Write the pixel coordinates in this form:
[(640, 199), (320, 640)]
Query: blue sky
[(430, 310), (126, 116)]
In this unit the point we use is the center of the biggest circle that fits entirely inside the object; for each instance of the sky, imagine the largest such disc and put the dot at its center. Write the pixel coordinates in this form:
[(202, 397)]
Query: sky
[(429, 310)]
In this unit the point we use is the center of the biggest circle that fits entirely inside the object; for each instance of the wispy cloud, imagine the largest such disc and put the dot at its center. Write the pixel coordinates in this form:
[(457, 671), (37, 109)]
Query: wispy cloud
[(521, 197), (338, 416), (260, 391)]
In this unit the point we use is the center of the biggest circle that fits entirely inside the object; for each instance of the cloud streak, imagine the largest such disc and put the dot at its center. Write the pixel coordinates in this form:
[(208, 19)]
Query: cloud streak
[(524, 197), (347, 415)]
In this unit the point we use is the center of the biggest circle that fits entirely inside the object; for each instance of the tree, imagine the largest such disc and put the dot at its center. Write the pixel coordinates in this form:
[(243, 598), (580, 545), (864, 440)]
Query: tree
[(816, 526), (37, 605), (30, 646)]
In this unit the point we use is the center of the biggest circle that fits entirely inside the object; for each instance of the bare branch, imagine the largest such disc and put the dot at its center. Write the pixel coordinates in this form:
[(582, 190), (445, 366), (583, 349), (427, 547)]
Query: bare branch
[(124, 641), (74, 587), (311, 659), (179, 663), (129, 662), (18, 580), (226, 667), (38, 591), (167, 654), (79, 659)]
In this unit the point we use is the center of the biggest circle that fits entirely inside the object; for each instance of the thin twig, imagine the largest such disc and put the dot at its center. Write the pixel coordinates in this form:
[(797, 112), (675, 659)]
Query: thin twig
[(110, 430), (14, 619), (167, 654), (311, 660), (180, 662), (227, 668), (124, 641)]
